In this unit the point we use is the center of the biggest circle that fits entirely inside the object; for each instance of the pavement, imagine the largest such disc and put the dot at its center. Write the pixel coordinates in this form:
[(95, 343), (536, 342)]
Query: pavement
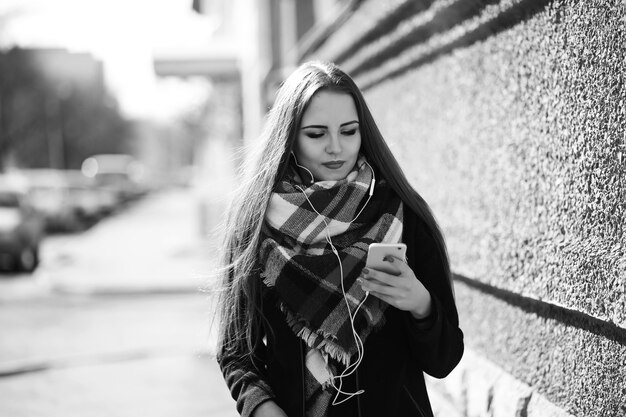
[(117, 320)]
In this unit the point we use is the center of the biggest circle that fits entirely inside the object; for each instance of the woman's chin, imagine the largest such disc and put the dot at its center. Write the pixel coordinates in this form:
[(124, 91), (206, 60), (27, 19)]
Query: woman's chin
[(332, 176)]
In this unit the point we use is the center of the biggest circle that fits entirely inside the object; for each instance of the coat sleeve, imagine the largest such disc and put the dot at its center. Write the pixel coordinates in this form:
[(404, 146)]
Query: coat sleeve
[(436, 340), (244, 372)]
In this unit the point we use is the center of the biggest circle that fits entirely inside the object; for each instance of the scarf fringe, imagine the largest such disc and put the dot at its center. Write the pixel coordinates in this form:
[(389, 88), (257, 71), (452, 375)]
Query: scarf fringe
[(268, 279), (327, 345)]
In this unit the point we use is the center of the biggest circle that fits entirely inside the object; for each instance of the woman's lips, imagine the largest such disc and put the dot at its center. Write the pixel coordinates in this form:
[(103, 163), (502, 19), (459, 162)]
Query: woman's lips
[(333, 164)]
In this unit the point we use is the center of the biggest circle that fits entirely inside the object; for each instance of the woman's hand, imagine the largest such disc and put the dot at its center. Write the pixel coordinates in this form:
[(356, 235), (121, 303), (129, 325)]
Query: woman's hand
[(403, 291), (268, 409)]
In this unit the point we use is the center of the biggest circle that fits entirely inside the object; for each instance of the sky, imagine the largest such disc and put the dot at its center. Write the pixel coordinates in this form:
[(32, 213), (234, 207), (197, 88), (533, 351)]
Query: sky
[(124, 34)]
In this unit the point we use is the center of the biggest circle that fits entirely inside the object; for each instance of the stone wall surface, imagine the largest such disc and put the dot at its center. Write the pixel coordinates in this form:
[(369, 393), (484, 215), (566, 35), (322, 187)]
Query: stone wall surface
[(509, 117), (576, 365)]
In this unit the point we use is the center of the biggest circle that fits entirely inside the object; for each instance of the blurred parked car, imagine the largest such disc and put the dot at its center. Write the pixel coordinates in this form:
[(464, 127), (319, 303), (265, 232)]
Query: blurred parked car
[(89, 202), (49, 193), (21, 228), (120, 173)]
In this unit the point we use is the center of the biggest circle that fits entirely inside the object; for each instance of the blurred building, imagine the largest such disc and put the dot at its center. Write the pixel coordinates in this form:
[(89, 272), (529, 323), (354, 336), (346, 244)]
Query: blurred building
[(257, 42), (220, 130)]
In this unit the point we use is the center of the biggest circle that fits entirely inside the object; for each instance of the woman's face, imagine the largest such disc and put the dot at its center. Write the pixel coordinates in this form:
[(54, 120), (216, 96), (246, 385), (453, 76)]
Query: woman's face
[(329, 139)]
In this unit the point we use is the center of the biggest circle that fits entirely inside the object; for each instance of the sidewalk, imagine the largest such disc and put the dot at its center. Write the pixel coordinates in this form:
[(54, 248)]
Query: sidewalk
[(124, 329), (154, 245)]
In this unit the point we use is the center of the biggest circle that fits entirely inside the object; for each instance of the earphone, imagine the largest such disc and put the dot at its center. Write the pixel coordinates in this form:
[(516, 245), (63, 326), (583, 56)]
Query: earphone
[(304, 168), (351, 368)]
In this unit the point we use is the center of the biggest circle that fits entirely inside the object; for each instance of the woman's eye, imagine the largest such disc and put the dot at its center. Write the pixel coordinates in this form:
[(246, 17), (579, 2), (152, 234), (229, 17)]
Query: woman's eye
[(349, 132), (315, 135)]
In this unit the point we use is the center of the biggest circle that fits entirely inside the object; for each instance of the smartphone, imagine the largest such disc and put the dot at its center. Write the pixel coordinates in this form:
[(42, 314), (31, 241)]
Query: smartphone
[(377, 251)]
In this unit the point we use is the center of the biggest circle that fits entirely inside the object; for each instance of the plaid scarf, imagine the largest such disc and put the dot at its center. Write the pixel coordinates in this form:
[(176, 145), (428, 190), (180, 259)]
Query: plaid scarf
[(298, 261)]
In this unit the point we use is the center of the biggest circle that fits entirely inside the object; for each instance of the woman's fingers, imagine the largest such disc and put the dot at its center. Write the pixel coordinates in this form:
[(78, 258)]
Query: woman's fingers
[(398, 270), (389, 300), (375, 285), (402, 267), (380, 276), (403, 290)]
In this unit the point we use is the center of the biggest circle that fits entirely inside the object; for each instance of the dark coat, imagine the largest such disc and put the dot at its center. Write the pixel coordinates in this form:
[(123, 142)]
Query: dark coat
[(391, 373)]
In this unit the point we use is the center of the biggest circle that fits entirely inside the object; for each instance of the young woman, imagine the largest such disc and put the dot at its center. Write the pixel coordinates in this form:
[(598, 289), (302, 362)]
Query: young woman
[(306, 330)]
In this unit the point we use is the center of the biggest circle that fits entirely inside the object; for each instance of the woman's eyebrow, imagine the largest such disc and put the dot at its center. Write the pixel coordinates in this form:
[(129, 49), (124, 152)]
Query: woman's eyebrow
[(326, 127), (349, 123)]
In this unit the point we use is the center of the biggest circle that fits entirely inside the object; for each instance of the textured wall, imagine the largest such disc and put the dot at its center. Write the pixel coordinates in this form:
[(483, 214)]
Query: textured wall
[(509, 117), (519, 144)]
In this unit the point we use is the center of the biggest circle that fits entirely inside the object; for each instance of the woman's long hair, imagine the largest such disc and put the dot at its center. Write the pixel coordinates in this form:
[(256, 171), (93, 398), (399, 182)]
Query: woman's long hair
[(240, 299)]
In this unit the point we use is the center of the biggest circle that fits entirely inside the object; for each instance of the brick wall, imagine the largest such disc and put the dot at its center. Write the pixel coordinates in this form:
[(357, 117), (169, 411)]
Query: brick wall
[(509, 118)]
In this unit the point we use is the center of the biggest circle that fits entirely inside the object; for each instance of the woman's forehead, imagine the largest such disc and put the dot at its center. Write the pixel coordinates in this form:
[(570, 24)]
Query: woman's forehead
[(330, 107)]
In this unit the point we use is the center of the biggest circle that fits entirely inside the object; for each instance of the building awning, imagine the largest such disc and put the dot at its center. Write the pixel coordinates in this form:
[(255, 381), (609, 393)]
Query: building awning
[(180, 65)]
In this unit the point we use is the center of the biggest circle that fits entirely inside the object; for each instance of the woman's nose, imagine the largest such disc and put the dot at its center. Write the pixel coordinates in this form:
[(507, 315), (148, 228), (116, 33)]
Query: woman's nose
[(333, 146)]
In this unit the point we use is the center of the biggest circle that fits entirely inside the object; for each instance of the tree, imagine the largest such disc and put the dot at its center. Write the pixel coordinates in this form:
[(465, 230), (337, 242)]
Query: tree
[(53, 116)]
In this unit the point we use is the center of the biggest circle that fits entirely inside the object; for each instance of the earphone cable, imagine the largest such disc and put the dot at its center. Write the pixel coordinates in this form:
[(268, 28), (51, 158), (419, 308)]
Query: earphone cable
[(351, 368)]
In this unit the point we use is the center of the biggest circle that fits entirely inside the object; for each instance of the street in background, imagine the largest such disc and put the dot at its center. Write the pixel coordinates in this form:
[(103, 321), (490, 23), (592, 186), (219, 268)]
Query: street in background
[(116, 321)]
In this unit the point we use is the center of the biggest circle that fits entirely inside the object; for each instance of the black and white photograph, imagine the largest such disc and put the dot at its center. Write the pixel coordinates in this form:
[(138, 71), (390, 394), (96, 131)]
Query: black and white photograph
[(312, 208)]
